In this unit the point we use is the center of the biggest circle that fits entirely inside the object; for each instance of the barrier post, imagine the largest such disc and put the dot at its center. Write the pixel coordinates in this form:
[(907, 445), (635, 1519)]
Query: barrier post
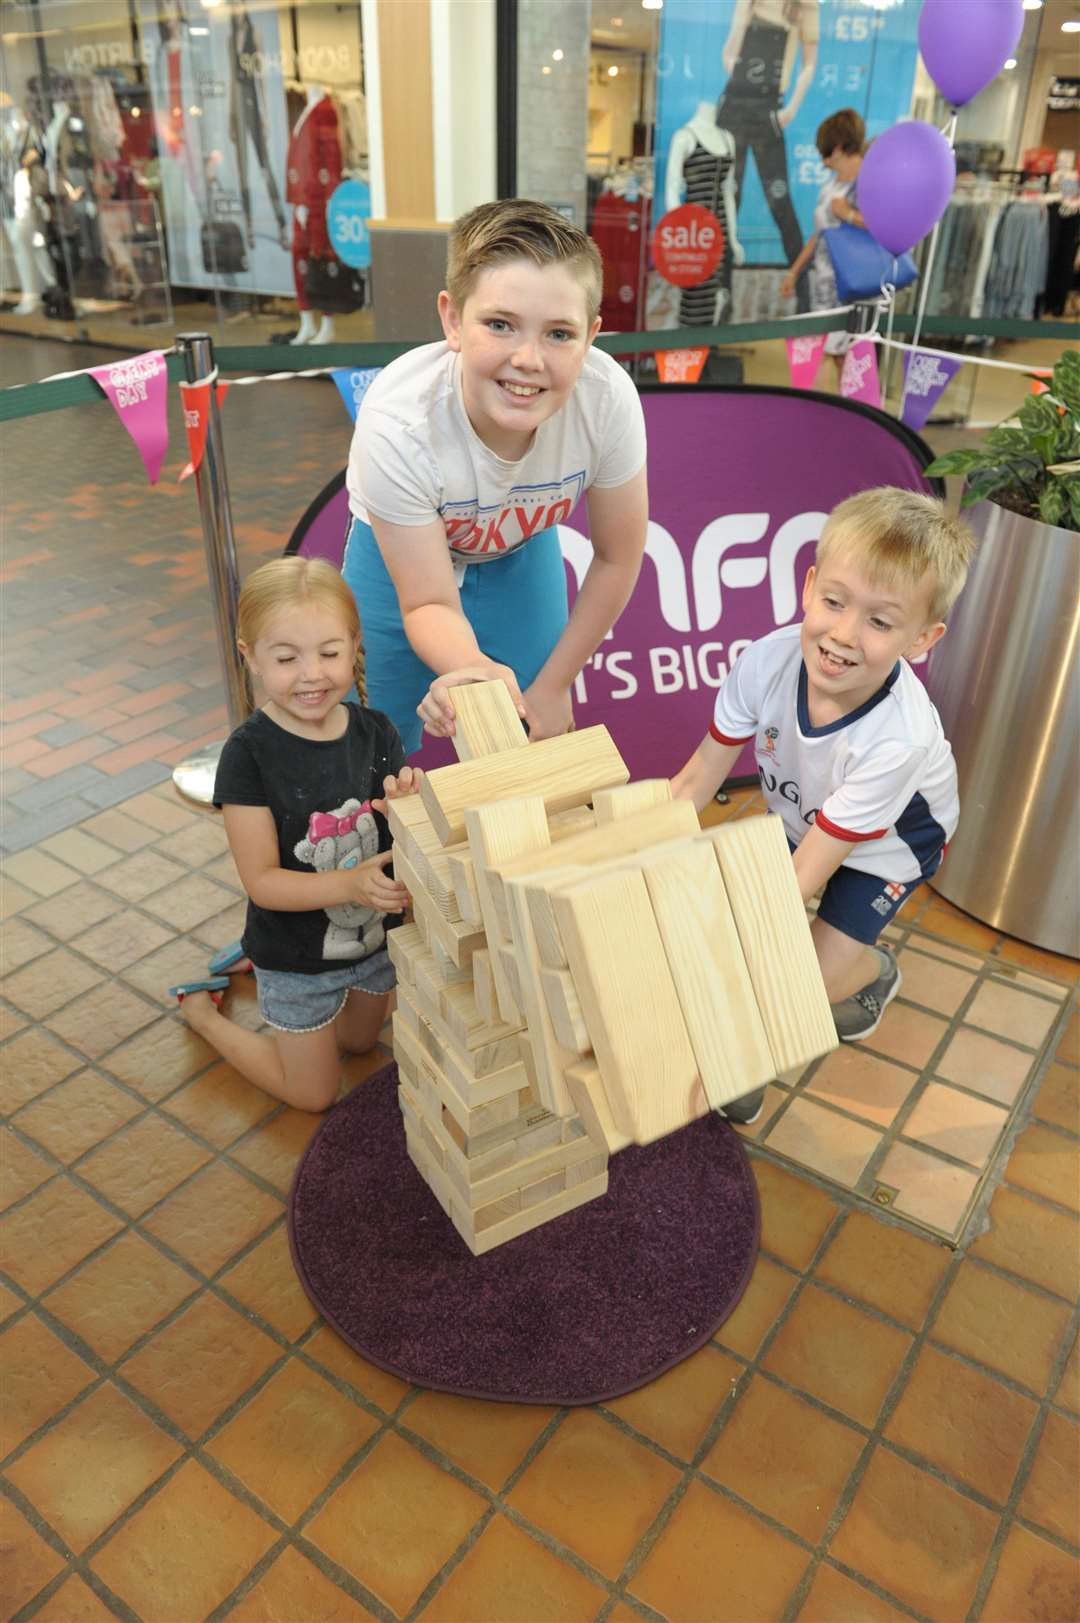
[(194, 777)]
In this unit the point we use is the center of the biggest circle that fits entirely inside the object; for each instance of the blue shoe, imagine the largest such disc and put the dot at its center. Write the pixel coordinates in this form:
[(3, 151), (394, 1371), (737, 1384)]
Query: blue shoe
[(233, 957), (214, 984)]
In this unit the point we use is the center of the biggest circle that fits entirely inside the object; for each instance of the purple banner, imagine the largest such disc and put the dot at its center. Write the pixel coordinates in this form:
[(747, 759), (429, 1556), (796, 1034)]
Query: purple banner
[(926, 378), (740, 484)]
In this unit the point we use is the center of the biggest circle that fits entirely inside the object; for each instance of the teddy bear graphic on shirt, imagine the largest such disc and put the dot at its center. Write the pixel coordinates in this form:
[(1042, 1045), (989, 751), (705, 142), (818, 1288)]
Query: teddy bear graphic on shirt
[(333, 838)]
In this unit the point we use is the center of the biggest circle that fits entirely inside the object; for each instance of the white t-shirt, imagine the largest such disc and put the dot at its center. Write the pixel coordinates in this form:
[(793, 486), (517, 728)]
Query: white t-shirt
[(416, 457), (882, 777)]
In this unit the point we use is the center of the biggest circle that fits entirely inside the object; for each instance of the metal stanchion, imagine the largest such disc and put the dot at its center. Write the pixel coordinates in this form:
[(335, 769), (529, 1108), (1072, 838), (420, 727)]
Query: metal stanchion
[(194, 777)]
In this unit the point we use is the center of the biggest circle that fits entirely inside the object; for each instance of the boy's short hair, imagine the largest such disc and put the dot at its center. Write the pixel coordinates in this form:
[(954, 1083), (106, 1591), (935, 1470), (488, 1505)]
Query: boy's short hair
[(899, 537), (844, 129), (515, 228)]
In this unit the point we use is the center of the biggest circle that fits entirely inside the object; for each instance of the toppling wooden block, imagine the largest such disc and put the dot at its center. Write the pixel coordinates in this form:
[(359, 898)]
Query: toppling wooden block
[(485, 720)]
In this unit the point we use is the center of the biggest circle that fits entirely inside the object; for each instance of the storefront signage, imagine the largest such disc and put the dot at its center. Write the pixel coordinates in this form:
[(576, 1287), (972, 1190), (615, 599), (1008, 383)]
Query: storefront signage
[(687, 245), (347, 216), (1064, 96), (740, 484)]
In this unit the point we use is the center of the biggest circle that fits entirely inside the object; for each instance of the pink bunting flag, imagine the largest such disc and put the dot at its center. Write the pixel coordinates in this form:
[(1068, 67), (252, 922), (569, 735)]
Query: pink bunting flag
[(138, 389), (925, 378), (804, 359), (859, 379)]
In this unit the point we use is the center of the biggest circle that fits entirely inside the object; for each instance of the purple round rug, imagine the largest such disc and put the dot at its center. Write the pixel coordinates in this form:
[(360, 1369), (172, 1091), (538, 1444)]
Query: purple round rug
[(584, 1308)]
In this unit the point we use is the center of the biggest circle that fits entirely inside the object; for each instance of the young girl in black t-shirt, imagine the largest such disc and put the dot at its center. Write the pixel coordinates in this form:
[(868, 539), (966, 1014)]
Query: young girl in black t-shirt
[(304, 784)]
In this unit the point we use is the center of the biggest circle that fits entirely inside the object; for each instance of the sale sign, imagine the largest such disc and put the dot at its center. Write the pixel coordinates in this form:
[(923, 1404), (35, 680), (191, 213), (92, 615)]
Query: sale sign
[(687, 245)]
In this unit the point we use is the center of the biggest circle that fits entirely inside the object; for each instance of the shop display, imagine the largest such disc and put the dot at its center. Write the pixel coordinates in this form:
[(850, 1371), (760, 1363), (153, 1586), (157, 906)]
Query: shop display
[(701, 169), (314, 170)]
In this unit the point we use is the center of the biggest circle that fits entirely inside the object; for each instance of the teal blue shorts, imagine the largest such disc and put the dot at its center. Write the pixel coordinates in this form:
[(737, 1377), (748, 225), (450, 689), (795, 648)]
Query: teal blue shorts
[(516, 605)]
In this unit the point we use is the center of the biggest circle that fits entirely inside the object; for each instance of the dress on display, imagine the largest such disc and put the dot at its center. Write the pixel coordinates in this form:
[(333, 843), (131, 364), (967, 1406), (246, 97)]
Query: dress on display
[(704, 176), (314, 170)]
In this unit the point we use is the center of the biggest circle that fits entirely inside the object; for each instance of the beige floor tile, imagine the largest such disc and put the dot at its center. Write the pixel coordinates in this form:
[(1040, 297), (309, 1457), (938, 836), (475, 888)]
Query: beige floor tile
[(1068, 1392), (964, 1422), (932, 947), (116, 828), (509, 1576), (74, 910), (834, 1598), (935, 985), (48, 983), (1058, 1098), (141, 875), (41, 1376), (220, 1106), (13, 896), (223, 870), (886, 1266), (985, 1065), (11, 1021), (712, 1548), (373, 1383), (930, 1190), (916, 1537), (1050, 1493), (1008, 1012), (204, 1541), (939, 918), (160, 1058), (677, 1409), (266, 1284), (907, 1034), (20, 944), (785, 1457), (142, 1164), (1003, 1326), (203, 842), (839, 1354), (22, 1169), (831, 1144), (29, 1563), (102, 1019), (75, 1602), (292, 1439), (119, 1295), (1034, 1582), (167, 812), (758, 1309), (362, 1527), (189, 1222), (90, 1466), (956, 1124), (32, 1062), (595, 1489), (201, 1363), (38, 872), (859, 1082), (794, 1215), (1046, 1163), (294, 1588), (118, 941), (1034, 1240), (1035, 958), (187, 902), (222, 928), (487, 1440), (274, 1149), (182, 959), (50, 1232), (78, 1114), (79, 850)]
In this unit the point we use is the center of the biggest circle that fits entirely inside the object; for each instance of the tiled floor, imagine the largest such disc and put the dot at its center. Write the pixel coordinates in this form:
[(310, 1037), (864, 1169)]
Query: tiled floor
[(886, 1427)]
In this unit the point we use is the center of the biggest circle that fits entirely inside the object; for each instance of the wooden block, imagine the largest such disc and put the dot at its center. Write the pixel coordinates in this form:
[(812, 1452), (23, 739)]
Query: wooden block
[(759, 878), (586, 1089), (597, 846), (484, 985), (495, 833), (577, 820), (628, 798), (538, 899), (458, 1008), (492, 1227), (631, 1007), (460, 863), (508, 963), (563, 771), (471, 1091), (586, 1171), (470, 1063), (448, 971), (549, 1058), (440, 885), (459, 941), (707, 965), (485, 720), (403, 946), (565, 1010)]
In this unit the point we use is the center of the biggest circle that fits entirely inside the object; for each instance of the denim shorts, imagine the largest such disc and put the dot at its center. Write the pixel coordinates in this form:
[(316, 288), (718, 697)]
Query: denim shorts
[(291, 1002)]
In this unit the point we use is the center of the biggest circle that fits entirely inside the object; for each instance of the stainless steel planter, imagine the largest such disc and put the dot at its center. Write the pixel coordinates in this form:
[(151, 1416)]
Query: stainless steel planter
[(1006, 682)]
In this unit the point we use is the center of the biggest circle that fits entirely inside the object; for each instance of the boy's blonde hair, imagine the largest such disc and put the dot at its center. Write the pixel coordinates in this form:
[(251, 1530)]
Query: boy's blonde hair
[(516, 228), (900, 538), (285, 582)]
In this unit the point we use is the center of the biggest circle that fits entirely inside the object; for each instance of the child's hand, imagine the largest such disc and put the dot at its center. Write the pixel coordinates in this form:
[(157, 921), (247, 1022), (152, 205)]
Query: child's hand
[(436, 708), (373, 888), (407, 782), (548, 711)]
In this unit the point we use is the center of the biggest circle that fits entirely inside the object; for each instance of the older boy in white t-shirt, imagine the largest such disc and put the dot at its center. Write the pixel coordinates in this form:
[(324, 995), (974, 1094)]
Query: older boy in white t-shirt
[(850, 750)]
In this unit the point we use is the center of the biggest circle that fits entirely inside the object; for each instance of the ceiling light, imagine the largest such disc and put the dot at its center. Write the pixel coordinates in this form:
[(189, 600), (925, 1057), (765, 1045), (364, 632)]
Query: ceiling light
[(546, 68), (1033, 5), (616, 22), (652, 5), (613, 72), (1071, 28), (556, 56)]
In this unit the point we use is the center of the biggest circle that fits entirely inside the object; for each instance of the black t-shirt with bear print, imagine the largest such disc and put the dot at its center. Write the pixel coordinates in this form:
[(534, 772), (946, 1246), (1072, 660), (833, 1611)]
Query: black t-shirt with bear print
[(318, 794)]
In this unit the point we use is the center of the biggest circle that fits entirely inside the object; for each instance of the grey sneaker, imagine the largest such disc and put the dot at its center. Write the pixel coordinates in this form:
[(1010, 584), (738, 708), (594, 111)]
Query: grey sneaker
[(745, 1110), (858, 1016)]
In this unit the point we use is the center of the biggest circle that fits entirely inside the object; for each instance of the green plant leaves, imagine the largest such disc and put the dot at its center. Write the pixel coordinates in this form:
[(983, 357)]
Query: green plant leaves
[(1066, 383)]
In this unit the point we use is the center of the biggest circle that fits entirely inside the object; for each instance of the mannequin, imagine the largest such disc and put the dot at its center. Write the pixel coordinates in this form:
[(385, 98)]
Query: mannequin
[(701, 162), (314, 170), (248, 121), (20, 157)]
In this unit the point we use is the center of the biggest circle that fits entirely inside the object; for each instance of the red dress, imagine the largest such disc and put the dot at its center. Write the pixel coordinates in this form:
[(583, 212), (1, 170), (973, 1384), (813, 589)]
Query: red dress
[(313, 171)]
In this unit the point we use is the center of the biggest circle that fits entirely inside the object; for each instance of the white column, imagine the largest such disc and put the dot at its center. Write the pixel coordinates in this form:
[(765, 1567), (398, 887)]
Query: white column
[(463, 104)]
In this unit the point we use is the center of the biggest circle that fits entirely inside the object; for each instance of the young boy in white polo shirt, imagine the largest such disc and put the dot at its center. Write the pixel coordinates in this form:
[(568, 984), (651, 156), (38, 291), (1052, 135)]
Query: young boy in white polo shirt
[(849, 748)]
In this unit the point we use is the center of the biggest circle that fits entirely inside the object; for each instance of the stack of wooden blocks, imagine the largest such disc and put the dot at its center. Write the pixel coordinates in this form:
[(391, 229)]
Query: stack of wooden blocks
[(586, 968)]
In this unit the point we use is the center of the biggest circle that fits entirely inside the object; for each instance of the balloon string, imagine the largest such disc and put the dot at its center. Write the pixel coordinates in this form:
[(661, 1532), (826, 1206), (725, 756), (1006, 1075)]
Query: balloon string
[(924, 291)]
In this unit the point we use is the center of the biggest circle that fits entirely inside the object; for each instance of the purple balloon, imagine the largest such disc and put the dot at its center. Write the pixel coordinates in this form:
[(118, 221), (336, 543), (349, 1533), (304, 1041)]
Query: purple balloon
[(966, 43), (905, 183)]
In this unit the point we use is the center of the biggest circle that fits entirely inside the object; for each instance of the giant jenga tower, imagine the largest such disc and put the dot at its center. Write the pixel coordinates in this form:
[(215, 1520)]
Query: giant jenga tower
[(586, 969)]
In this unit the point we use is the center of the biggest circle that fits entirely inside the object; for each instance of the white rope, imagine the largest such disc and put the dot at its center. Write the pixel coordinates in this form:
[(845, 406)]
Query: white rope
[(965, 360), (85, 371)]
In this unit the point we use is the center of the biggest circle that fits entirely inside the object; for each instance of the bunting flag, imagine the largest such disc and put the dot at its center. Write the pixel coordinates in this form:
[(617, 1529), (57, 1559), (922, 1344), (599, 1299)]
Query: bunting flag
[(353, 384), (680, 365), (859, 379), (1037, 385), (925, 379), (804, 359), (196, 401), (138, 390)]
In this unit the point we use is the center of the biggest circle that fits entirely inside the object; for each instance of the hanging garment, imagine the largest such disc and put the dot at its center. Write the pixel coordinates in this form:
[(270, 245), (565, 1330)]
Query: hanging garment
[(620, 229), (704, 177), (1017, 275), (313, 170), (247, 119)]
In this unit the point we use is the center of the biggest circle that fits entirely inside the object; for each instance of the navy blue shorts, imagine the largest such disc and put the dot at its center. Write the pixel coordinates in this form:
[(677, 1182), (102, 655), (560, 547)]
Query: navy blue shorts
[(860, 905)]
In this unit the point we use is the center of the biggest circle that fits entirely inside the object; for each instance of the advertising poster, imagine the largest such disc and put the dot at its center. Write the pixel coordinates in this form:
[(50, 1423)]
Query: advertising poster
[(221, 121), (742, 88)]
